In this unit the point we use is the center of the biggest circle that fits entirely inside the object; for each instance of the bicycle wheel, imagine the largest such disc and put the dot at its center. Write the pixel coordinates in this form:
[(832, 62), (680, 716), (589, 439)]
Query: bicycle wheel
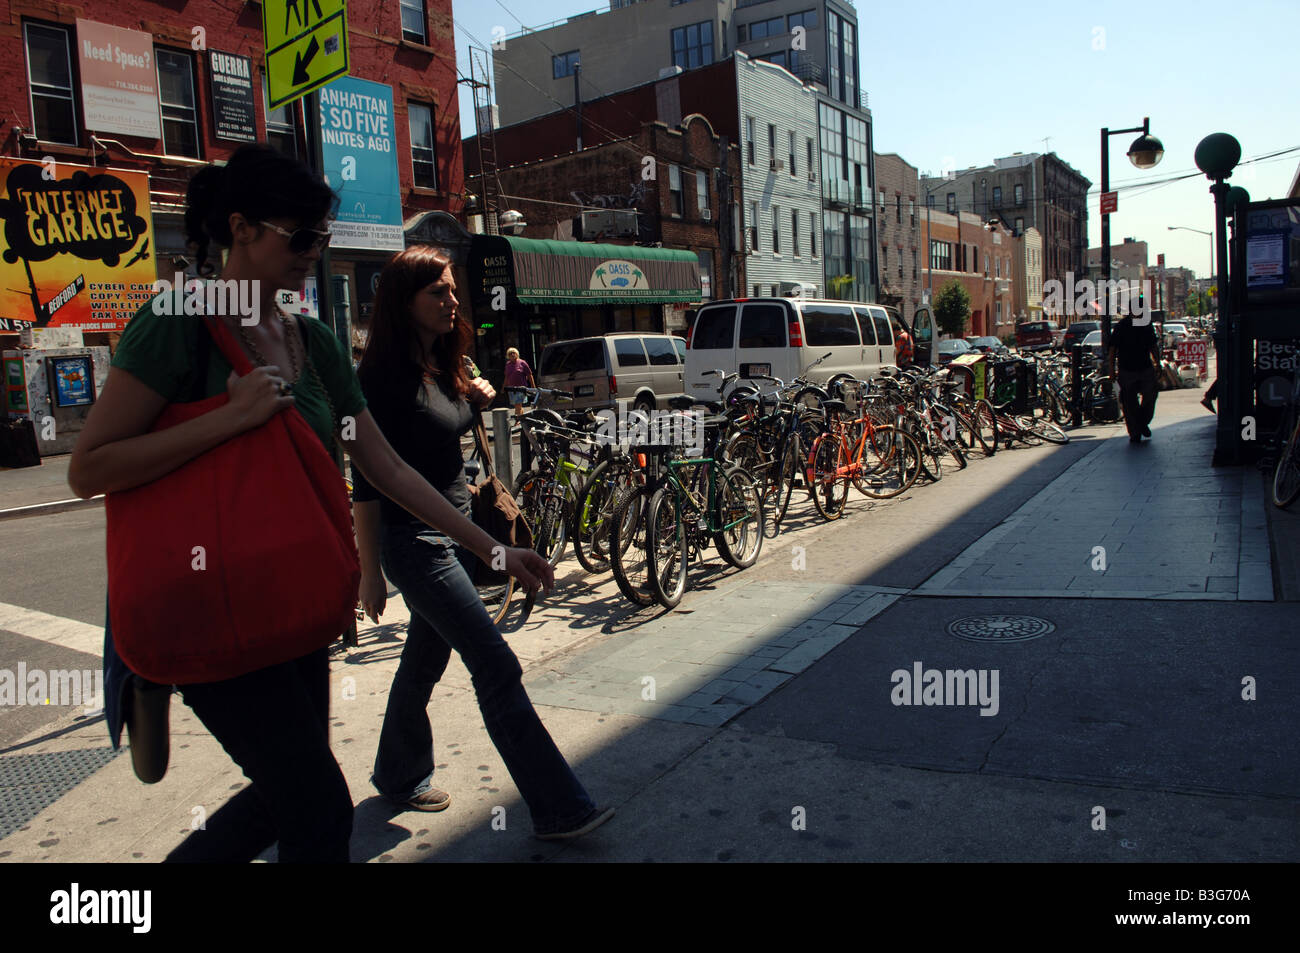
[(985, 422), (594, 513), (627, 549), (1028, 435), (1286, 475), (738, 502), (892, 466), (496, 598), (666, 553), (1044, 428), (830, 481), (783, 488), (931, 450)]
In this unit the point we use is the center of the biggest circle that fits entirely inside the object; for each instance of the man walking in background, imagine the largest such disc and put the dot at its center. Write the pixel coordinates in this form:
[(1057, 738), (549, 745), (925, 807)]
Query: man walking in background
[(1138, 352)]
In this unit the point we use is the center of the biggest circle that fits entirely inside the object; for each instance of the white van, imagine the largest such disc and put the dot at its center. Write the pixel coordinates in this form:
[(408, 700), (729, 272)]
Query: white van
[(784, 336)]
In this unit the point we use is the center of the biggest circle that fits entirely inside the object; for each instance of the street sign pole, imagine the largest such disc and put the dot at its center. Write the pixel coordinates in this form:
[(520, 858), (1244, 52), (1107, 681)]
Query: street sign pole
[(324, 285)]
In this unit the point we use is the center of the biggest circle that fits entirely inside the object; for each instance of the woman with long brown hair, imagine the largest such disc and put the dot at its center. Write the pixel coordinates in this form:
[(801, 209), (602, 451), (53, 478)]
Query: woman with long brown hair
[(416, 384)]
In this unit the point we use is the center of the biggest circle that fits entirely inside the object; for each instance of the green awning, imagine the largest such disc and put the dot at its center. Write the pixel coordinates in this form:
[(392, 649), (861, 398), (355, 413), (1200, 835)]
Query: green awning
[(578, 273)]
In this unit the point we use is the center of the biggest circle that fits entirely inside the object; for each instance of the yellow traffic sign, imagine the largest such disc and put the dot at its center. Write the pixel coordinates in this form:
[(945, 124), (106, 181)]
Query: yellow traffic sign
[(306, 46)]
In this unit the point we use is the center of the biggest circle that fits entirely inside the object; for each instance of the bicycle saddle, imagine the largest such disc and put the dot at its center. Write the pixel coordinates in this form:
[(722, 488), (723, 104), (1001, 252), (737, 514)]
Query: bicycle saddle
[(833, 405)]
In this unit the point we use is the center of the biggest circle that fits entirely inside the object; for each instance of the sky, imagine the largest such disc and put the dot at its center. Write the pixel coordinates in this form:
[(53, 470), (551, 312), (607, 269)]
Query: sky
[(959, 84)]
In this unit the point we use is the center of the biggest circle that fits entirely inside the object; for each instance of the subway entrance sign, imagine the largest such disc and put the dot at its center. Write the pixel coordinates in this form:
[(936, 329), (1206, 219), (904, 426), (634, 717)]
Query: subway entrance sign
[(306, 46)]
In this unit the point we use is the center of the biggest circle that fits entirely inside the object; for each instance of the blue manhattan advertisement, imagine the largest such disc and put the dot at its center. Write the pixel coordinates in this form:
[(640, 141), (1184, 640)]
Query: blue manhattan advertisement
[(360, 151)]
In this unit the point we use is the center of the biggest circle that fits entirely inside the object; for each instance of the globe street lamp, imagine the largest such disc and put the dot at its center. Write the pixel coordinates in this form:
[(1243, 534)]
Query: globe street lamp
[(1210, 235), (1145, 153), (1216, 155)]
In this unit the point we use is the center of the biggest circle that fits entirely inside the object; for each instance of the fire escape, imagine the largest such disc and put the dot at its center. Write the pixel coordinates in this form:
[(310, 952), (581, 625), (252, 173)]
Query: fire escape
[(488, 183)]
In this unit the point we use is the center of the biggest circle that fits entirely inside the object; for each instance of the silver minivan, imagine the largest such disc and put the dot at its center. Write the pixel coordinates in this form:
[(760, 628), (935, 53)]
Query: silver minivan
[(784, 337), (641, 368)]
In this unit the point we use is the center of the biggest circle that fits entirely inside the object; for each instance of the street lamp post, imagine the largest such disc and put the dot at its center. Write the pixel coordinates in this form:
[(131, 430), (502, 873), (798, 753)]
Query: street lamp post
[(1216, 155), (1210, 235), (1145, 152)]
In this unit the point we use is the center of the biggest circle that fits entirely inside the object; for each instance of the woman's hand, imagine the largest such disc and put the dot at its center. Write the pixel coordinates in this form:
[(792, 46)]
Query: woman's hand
[(528, 566), (481, 393), (374, 595), (255, 398)]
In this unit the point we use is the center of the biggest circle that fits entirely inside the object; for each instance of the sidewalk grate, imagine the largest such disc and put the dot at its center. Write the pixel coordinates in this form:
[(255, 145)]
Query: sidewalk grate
[(29, 783), (1000, 628)]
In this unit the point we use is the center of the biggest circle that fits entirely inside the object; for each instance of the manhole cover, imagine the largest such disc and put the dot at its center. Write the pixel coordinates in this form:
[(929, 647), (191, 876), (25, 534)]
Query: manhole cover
[(1000, 628)]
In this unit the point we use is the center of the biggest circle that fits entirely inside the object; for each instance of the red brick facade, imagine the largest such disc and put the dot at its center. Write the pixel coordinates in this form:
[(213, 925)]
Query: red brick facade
[(900, 234), (982, 261), (615, 175)]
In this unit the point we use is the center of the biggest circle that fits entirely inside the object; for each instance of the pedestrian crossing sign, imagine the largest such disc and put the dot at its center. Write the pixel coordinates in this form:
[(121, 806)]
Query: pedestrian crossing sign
[(306, 46)]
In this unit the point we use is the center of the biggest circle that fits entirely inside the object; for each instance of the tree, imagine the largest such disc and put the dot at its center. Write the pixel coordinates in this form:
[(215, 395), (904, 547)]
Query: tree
[(952, 308)]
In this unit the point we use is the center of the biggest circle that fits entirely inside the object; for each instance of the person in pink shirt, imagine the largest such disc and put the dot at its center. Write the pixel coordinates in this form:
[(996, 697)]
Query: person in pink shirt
[(518, 374)]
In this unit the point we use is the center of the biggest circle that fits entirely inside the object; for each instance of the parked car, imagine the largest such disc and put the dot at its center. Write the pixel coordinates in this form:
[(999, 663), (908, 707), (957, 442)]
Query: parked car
[(1092, 344), (1174, 332), (989, 345), (645, 369), (953, 347), (1034, 335), (1078, 331), (784, 337)]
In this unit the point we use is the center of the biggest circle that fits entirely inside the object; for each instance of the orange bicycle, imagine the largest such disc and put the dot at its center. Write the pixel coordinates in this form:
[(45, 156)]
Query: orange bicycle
[(879, 459)]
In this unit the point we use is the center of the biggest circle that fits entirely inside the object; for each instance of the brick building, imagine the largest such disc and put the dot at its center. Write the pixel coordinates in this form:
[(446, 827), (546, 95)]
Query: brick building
[(981, 257), (411, 50), (900, 233), (677, 208)]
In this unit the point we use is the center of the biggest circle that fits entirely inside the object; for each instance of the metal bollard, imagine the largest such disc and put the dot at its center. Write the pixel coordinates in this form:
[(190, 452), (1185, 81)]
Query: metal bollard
[(501, 456), (1076, 385)]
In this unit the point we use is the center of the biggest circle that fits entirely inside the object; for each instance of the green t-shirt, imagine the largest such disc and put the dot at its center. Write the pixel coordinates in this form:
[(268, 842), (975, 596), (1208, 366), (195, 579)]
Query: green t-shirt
[(159, 349)]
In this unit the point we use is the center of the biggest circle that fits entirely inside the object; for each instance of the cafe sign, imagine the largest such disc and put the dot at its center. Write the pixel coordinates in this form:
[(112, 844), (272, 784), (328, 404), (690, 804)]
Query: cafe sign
[(615, 275)]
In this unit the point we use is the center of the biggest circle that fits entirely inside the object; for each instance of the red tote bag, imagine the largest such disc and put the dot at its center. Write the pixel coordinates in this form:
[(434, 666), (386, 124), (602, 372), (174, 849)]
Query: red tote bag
[(242, 558)]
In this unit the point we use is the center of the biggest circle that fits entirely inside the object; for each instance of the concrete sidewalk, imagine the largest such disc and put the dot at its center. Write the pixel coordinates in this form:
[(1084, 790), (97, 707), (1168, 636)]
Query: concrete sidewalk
[(769, 697)]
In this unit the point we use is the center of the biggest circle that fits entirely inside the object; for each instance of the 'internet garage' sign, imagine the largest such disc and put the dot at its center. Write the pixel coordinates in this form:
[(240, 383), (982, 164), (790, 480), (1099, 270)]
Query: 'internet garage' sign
[(360, 153)]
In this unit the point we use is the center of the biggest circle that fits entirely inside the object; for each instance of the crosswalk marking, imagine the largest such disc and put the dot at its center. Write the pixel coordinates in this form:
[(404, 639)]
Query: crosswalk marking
[(53, 629)]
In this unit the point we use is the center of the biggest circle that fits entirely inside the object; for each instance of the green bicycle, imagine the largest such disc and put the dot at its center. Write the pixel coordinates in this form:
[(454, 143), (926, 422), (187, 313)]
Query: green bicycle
[(698, 501)]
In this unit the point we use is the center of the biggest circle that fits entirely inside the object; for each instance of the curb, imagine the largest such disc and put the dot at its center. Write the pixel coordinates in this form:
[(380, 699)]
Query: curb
[(58, 506)]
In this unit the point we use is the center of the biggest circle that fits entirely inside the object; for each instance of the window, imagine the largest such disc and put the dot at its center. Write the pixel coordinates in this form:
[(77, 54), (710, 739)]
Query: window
[(572, 356), (884, 259), (811, 171), (986, 264), (884, 333), (882, 201), (762, 29), (807, 19), (778, 58), (693, 45), (281, 124), (758, 291), (850, 64), (762, 325), (911, 210), (997, 266), (680, 346), (940, 256), (701, 190), (753, 226), (997, 196), (706, 273), (176, 98), (898, 209), (771, 140), (562, 64), (952, 202), (900, 263), (630, 352), (749, 137), (914, 256), (792, 168), (1020, 194), (999, 312), (830, 326), (49, 77), (413, 21), (661, 351), (776, 230), (794, 232), (675, 189), (812, 233), (424, 171), (715, 328), (742, 33), (865, 326)]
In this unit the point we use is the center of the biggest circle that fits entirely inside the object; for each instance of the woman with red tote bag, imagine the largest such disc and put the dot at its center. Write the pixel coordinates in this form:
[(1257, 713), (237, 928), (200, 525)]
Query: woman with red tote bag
[(204, 418)]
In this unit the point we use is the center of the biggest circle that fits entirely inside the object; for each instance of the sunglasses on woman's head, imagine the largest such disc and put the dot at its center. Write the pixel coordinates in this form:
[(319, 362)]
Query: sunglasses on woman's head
[(303, 240)]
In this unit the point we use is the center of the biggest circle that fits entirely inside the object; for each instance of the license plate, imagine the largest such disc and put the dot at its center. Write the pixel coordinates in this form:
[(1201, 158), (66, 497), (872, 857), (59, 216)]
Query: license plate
[(584, 390), (755, 370)]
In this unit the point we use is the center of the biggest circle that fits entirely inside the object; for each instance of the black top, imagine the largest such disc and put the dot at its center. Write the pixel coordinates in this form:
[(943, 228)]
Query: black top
[(1134, 344), (425, 430)]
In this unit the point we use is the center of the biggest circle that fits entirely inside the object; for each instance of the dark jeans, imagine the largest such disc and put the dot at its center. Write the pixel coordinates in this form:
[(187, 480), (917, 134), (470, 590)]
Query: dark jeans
[(275, 724), (432, 573), (1137, 392)]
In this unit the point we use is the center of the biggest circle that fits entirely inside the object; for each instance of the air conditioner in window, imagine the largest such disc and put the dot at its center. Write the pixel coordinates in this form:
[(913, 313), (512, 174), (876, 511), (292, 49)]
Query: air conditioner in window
[(706, 215), (812, 176), (777, 165)]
